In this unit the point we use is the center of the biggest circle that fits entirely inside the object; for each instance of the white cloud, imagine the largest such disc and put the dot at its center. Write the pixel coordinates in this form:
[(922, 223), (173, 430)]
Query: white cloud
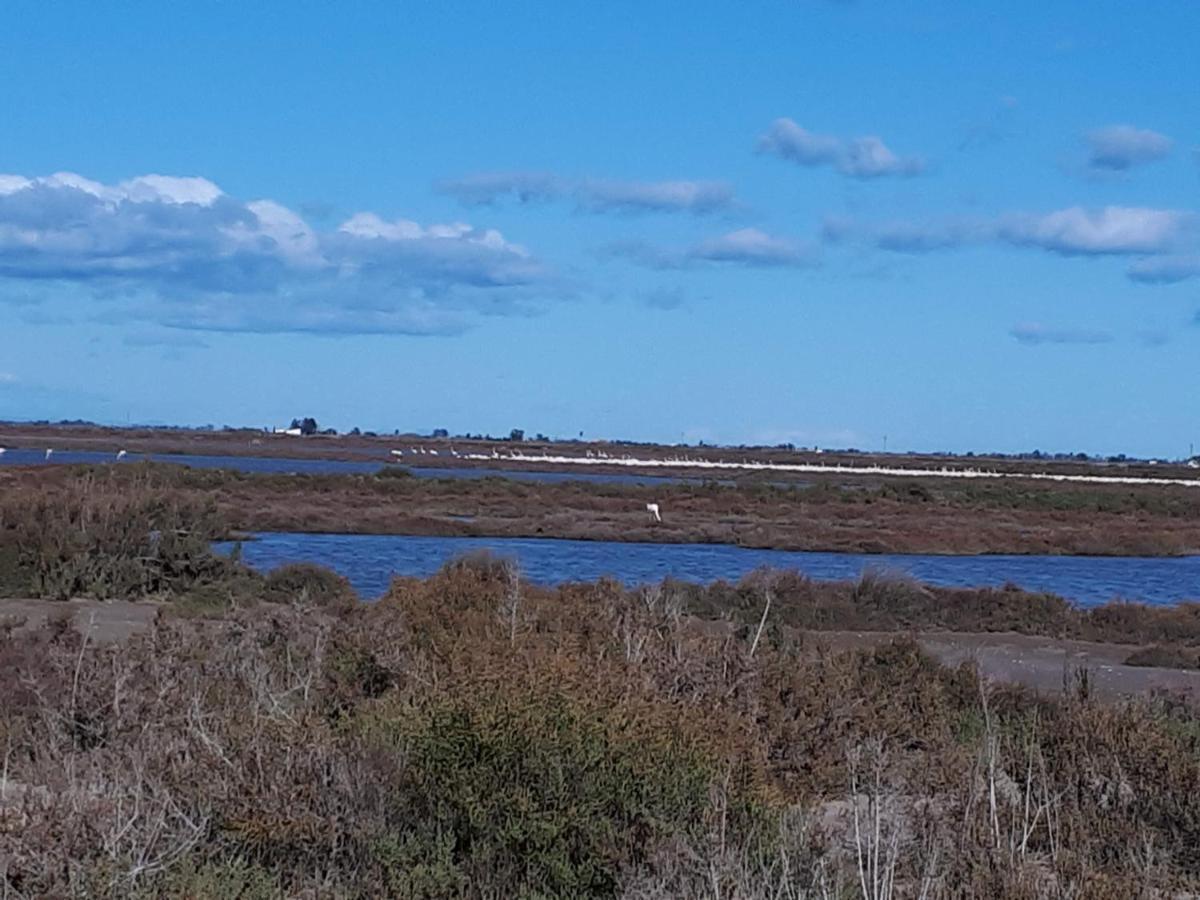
[(1109, 230), (487, 188), (860, 157), (745, 247), (908, 236), (646, 254), (171, 339), (656, 196), (1034, 333), (750, 246), (664, 298), (1117, 148), (180, 252), (169, 189), (1074, 231), (593, 195), (12, 183), (1165, 269)]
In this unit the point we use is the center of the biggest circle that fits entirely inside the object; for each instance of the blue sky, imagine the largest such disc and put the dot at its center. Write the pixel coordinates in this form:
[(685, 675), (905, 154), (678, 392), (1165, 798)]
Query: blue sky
[(963, 226)]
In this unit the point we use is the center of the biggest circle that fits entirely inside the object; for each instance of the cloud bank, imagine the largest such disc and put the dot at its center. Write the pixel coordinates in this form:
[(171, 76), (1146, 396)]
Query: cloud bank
[(178, 251), (592, 195), (860, 157)]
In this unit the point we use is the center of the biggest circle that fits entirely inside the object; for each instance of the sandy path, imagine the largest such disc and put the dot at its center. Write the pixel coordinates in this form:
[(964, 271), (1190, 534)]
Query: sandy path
[(108, 621)]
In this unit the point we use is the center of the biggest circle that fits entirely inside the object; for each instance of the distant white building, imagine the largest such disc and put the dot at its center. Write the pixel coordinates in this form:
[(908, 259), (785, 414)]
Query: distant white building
[(290, 432)]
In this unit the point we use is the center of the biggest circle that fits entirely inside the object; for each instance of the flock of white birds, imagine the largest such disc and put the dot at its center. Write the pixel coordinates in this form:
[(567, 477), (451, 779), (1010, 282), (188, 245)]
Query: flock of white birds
[(600, 458), (121, 454)]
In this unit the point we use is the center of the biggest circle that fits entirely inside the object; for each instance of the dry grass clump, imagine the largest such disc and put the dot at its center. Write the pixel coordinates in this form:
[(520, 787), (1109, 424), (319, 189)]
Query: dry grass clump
[(471, 735)]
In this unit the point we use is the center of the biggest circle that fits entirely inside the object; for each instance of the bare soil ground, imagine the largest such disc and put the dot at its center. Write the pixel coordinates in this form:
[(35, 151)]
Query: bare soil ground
[(101, 621)]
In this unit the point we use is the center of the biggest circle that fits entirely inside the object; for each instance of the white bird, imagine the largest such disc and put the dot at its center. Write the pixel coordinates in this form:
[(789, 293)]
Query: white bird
[(652, 508), (121, 454), (3, 450), (48, 452), (433, 453), (397, 453)]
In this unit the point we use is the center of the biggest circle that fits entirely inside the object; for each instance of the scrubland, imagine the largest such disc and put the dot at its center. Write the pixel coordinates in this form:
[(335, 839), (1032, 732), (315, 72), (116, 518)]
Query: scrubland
[(469, 735), (473, 735)]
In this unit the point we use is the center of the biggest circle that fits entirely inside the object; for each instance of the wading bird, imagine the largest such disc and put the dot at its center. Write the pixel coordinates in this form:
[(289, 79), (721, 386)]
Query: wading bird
[(121, 454), (652, 508), (48, 452)]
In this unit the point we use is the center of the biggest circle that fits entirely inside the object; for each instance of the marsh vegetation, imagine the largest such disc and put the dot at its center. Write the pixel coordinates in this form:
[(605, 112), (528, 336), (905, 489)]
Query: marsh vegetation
[(470, 735), (890, 516), (473, 735)]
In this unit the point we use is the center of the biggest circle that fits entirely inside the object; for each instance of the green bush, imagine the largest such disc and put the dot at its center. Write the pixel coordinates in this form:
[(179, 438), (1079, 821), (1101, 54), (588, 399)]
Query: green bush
[(533, 796), (231, 880), (15, 579)]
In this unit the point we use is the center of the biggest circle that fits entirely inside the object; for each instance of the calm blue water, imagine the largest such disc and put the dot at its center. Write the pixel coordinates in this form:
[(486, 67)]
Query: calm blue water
[(370, 561), (280, 465)]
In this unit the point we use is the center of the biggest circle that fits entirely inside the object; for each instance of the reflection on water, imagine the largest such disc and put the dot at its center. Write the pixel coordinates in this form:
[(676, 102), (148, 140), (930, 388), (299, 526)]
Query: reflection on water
[(370, 561)]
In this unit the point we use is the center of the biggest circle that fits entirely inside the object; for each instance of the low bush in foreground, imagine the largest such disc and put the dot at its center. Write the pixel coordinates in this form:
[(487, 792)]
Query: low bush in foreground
[(470, 735)]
